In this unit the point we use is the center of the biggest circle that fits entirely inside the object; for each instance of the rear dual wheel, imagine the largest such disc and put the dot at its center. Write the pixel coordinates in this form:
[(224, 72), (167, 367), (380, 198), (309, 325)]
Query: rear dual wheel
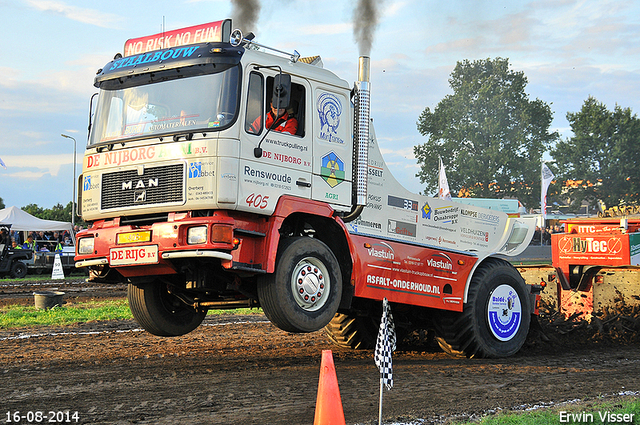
[(495, 319), (352, 331)]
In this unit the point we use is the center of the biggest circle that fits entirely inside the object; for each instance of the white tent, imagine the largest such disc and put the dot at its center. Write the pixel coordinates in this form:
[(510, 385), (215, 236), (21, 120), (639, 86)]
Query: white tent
[(22, 220)]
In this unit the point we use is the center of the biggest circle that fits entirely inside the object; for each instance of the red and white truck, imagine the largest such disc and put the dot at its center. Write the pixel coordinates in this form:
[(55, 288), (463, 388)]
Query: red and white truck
[(198, 206)]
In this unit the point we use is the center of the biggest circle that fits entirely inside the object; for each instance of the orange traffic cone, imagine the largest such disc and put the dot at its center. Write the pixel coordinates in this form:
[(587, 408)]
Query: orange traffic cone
[(328, 404)]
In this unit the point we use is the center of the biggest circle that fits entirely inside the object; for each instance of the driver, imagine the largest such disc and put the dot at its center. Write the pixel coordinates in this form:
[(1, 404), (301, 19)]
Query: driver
[(277, 120)]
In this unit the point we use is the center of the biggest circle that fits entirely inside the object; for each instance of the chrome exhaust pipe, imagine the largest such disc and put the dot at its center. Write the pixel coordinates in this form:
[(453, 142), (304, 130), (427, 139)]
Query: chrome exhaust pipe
[(363, 103)]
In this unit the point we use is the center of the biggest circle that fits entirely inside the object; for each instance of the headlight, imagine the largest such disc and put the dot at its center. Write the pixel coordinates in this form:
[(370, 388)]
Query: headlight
[(197, 235), (222, 233), (85, 246)]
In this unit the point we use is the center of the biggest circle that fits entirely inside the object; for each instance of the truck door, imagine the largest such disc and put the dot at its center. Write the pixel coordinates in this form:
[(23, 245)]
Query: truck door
[(284, 167), (332, 147)]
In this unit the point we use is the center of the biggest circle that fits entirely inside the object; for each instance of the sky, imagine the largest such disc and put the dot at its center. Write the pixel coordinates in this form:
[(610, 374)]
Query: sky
[(50, 52)]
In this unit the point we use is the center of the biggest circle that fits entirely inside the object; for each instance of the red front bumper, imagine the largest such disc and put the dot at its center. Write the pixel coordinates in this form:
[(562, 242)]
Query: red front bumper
[(150, 249)]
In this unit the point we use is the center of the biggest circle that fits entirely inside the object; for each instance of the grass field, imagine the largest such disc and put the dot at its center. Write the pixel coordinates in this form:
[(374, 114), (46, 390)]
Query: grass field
[(599, 411), (28, 316)]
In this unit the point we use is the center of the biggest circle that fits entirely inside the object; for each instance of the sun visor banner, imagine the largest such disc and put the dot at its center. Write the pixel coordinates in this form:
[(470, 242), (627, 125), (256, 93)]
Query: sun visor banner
[(204, 33)]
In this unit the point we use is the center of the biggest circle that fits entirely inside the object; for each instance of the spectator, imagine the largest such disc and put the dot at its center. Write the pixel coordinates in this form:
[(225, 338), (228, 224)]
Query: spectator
[(30, 244), (546, 237), (536, 237)]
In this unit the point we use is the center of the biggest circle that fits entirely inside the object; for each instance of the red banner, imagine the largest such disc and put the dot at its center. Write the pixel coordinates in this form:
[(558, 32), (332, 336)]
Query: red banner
[(191, 35), (590, 249)]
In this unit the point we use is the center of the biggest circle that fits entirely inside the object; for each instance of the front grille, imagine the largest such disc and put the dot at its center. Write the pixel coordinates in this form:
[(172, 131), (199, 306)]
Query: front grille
[(158, 185)]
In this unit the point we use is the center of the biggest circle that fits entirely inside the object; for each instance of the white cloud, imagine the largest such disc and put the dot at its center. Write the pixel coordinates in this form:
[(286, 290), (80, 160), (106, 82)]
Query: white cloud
[(87, 16), (391, 10), (33, 167)]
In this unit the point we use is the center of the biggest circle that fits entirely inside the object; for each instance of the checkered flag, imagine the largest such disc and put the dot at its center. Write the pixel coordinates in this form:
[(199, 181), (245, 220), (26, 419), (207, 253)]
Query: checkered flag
[(385, 345)]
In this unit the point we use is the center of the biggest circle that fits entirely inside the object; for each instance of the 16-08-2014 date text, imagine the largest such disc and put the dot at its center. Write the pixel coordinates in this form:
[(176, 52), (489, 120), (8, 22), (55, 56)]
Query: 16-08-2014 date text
[(41, 416)]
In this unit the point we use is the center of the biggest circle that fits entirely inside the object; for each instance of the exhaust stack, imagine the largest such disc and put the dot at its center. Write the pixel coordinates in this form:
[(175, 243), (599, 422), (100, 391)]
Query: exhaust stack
[(363, 102)]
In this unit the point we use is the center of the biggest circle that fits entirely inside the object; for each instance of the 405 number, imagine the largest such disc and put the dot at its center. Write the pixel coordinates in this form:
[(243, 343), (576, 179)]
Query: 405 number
[(257, 201)]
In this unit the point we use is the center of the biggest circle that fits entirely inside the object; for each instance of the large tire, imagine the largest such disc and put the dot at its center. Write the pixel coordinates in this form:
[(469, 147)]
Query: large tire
[(160, 312), (350, 331), (18, 270), (495, 319), (303, 294)]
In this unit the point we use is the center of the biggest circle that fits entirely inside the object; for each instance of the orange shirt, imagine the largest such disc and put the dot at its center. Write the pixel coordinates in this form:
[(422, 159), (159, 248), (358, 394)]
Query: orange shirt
[(286, 124)]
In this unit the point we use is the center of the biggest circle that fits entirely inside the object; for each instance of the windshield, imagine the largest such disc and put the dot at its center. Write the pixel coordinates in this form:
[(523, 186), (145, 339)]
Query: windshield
[(200, 103)]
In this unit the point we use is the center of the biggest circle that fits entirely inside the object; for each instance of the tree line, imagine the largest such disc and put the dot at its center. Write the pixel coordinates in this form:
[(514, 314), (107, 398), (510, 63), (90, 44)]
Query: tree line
[(491, 137), (58, 212)]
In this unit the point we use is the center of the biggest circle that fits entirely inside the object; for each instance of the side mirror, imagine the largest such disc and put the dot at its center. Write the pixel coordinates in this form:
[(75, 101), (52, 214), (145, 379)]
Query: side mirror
[(281, 91)]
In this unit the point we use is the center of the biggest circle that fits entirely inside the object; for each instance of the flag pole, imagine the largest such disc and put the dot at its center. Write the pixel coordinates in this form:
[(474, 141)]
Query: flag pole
[(382, 356), (380, 404)]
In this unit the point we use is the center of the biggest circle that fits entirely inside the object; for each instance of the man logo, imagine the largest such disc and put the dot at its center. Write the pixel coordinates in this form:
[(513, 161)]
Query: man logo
[(140, 184), (140, 196)]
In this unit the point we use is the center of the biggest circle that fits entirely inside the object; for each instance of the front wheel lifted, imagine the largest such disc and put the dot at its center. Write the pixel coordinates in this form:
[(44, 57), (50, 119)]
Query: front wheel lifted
[(303, 294), (495, 319), (161, 313)]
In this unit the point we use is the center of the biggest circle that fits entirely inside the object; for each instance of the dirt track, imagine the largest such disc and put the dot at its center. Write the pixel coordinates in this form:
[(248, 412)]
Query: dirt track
[(75, 288), (253, 373)]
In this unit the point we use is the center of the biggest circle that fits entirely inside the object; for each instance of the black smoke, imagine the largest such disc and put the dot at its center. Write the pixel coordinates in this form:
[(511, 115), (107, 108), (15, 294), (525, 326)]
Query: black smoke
[(365, 20), (244, 14)]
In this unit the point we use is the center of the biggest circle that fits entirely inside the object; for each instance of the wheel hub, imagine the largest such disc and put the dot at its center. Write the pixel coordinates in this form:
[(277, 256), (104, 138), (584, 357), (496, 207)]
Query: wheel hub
[(504, 312), (309, 283)]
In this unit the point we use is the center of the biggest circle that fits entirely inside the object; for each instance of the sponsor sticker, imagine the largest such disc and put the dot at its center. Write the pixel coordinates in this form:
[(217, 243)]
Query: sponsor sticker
[(133, 255), (589, 245), (405, 204), (505, 312), (332, 170), (401, 228), (329, 110), (87, 185)]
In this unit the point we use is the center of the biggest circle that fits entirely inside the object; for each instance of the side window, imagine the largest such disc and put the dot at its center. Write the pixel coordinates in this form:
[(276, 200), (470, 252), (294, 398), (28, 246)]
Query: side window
[(255, 102), (296, 107)]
